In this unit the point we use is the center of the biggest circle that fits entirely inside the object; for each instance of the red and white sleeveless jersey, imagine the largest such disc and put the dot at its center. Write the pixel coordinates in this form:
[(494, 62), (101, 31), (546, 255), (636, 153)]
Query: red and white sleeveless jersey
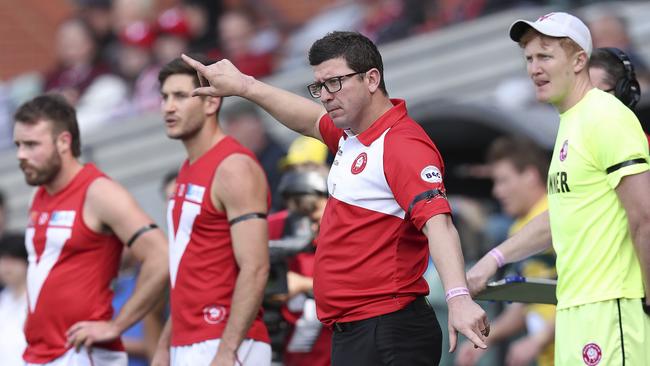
[(70, 269), (202, 266), (384, 184)]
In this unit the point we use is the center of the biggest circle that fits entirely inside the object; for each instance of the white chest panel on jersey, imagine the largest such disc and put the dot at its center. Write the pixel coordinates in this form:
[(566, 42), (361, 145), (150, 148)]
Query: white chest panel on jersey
[(357, 176)]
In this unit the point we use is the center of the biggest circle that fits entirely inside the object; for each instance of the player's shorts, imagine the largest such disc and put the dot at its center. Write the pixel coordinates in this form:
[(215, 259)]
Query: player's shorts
[(96, 357), (250, 353), (611, 333)]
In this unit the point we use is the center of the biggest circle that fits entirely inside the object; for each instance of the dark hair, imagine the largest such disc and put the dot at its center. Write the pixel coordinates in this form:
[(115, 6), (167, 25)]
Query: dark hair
[(55, 109), (178, 66), (357, 50), (607, 61), (2, 199), (521, 152)]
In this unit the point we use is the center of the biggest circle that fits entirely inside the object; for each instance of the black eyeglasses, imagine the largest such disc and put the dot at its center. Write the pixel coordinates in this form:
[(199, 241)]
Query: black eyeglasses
[(332, 85)]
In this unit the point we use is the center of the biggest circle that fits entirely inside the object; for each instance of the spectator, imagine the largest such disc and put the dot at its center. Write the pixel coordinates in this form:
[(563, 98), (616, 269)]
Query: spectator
[(13, 299), (137, 66), (81, 79), (173, 36), (236, 33), (610, 30)]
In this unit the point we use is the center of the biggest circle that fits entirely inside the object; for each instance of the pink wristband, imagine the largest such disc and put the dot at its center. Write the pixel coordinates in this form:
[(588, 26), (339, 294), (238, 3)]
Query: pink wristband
[(456, 291), (498, 256)]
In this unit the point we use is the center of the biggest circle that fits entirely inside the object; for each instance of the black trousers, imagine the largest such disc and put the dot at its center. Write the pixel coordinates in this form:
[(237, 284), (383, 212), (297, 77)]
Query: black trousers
[(408, 337)]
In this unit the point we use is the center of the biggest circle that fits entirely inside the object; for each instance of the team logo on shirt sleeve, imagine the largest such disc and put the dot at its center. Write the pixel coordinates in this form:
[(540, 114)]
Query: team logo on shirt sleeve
[(431, 174), (359, 163)]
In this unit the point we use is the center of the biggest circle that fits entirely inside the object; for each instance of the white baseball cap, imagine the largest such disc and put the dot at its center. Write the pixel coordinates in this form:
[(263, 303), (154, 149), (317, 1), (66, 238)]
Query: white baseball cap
[(556, 25)]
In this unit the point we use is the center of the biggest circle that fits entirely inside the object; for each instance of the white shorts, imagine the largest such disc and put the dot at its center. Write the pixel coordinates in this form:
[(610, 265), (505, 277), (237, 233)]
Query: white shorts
[(250, 353), (97, 357)]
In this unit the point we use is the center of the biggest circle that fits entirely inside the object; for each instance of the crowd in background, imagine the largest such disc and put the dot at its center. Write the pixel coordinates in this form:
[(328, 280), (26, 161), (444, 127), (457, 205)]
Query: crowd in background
[(108, 52)]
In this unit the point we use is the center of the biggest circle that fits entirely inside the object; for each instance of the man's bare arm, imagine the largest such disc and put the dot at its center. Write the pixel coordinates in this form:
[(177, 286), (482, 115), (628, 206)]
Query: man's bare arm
[(533, 238), (465, 316), (110, 205), (294, 111), (634, 193), (240, 188)]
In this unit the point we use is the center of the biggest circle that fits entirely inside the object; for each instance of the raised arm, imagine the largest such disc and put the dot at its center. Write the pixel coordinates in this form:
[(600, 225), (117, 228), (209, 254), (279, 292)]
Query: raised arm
[(239, 187), (465, 315), (297, 113), (634, 193), (109, 205), (533, 238)]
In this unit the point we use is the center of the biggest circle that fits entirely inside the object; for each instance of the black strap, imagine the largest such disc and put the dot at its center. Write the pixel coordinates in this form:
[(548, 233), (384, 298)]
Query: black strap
[(140, 231), (646, 308), (428, 195), (618, 166), (248, 216)]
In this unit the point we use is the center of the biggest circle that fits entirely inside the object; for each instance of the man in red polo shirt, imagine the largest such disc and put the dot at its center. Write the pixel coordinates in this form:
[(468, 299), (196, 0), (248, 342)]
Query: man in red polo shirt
[(387, 209)]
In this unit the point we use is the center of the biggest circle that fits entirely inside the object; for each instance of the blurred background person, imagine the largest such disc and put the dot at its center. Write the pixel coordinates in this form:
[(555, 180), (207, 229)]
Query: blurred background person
[(82, 78), (611, 70), (518, 169), (172, 36), (299, 337), (13, 299), (609, 29), (239, 42)]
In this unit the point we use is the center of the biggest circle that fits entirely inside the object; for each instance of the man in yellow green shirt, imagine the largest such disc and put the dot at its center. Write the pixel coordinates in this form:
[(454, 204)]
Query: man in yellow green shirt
[(599, 204)]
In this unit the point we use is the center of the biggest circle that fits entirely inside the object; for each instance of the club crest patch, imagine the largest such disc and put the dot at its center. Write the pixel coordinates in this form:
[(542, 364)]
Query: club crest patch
[(592, 354), (564, 150), (214, 314), (359, 163), (431, 174)]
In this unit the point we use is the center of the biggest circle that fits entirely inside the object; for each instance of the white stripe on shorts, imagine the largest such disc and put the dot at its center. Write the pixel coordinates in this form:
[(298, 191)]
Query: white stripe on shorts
[(250, 352)]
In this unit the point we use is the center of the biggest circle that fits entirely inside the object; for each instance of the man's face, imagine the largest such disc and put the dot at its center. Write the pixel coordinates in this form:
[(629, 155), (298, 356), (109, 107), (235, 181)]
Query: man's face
[(550, 69), (511, 188), (346, 105), (184, 115), (37, 152), (598, 78)]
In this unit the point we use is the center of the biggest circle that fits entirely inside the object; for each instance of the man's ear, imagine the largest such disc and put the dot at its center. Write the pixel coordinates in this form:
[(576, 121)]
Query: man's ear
[(63, 142), (211, 105), (580, 62), (374, 78)]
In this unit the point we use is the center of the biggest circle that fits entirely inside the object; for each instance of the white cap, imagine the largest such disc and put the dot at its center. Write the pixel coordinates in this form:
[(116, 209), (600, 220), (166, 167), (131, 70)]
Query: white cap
[(556, 25)]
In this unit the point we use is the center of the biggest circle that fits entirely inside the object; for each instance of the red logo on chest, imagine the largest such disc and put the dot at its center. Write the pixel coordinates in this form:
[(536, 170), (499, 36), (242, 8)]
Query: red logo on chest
[(592, 354), (359, 163)]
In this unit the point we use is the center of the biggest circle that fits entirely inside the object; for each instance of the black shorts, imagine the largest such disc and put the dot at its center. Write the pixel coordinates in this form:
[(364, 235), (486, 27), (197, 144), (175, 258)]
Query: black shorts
[(410, 336)]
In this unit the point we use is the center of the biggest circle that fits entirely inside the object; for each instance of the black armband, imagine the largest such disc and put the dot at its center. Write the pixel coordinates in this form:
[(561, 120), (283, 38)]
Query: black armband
[(248, 216), (140, 231), (426, 196), (618, 166)]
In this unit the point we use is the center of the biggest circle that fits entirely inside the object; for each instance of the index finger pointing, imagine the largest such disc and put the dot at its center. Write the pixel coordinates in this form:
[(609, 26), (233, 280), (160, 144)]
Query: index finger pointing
[(195, 64)]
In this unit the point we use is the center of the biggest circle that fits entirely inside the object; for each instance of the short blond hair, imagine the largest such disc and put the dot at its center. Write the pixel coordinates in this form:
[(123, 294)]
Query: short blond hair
[(568, 45)]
